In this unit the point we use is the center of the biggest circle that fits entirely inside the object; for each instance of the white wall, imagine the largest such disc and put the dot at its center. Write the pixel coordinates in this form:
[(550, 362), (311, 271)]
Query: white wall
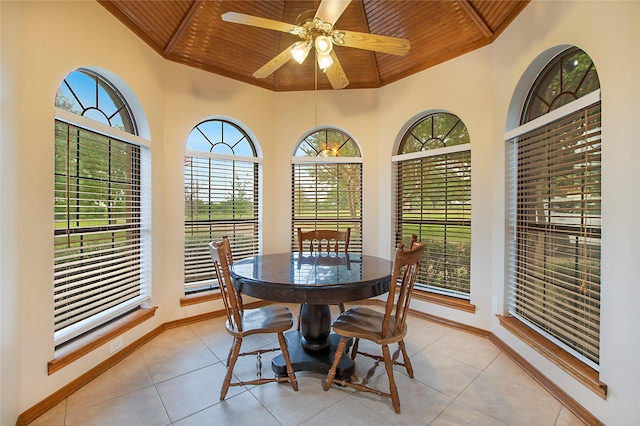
[(609, 33), (40, 42)]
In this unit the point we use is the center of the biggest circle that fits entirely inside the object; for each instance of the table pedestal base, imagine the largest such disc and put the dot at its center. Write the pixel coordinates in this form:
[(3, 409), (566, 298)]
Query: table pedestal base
[(317, 361)]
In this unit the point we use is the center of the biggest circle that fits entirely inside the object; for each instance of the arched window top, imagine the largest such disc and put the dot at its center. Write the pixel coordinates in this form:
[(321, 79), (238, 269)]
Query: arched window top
[(569, 76), (436, 130), (88, 94), (218, 136), (327, 142)]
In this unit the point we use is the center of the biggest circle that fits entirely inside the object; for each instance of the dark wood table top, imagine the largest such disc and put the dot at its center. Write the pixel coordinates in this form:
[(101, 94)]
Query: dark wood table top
[(314, 279)]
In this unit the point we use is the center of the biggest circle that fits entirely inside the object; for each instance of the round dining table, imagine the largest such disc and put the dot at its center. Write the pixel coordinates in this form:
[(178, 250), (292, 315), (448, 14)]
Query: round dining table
[(315, 281)]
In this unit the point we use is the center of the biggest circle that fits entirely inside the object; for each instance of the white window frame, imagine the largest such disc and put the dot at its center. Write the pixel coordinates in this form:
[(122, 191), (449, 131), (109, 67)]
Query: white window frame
[(87, 324)]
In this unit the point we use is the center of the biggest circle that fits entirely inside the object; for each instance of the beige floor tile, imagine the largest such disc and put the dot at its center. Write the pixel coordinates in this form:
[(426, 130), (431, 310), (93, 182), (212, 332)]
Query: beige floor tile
[(209, 328), (419, 403), (172, 338), (567, 418), (168, 363), (246, 367), (422, 333), (140, 408), (221, 343), (348, 412), (293, 408), (243, 409), (442, 373), (53, 417), (194, 391), (459, 414), (467, 348), (505, 367), (460, 379), (510, 402), (128, 375)]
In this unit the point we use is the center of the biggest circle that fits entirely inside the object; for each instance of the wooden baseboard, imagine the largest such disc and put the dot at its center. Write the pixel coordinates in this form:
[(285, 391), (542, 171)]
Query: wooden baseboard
[(448, 301), (81, 346), (57, 397), (578, 370), (578, 410), (51, 401)]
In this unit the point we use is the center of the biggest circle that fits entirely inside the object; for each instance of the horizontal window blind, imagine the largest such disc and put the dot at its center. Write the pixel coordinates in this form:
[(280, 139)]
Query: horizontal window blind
[(557, 231), (327, 196), (434, 202), (97, 235), (221, 199)]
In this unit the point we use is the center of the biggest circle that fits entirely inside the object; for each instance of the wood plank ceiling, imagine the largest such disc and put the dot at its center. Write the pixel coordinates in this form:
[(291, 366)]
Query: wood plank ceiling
[(191, 32)]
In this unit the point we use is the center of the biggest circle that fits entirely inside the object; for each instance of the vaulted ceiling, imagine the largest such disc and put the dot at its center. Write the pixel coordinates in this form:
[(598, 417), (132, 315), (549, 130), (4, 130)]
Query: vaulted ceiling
[(191, 32)]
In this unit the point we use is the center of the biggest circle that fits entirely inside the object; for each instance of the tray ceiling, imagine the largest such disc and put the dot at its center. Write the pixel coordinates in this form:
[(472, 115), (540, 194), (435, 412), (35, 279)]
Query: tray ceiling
[(191, 32)]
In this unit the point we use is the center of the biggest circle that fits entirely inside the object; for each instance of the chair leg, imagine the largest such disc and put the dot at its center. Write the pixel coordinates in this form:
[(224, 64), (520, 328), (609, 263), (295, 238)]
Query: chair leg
[(229, 354), (285, 355), (235, 350), (336, 360), (354, 349), (341, 307), (405, 357), (388, 365), (299, 316)]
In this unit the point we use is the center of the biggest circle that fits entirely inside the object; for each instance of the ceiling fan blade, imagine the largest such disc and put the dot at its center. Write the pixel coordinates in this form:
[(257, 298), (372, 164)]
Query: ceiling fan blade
[(375, 42), (271, 66), (335, 74), (330, 10), (255, 21)]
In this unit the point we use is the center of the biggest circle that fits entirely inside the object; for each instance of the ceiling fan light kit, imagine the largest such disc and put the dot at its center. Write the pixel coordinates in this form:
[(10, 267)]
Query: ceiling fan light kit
[(320, 34), (300, 51)]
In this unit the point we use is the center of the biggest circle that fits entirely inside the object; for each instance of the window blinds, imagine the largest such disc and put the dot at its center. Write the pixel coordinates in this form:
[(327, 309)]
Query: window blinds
[(221, 198), (97, 235), (557, 231), (434, 201), (327, 196)]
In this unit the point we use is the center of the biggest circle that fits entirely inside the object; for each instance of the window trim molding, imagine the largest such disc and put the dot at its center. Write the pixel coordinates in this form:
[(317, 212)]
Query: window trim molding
[(195, 298), (557, 355), (97, 127), (218, 156), (431, 153), (461, 304), (556, 114), (325, 160), (76, 349)]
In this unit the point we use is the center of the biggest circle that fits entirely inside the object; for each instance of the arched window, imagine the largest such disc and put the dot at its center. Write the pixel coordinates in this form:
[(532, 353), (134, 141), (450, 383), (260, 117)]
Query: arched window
[(327, 185), (554, 186), (221, 180), (101, 218), (433, 200)]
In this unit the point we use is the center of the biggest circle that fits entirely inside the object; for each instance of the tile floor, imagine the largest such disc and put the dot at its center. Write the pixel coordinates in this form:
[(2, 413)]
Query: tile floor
[(460, 379)]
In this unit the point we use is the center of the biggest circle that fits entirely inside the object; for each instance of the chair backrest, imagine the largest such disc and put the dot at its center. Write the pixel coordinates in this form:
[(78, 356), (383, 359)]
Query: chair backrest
[(220, 254), (227, 244), (414, 241), (323, 240), (405, 269)]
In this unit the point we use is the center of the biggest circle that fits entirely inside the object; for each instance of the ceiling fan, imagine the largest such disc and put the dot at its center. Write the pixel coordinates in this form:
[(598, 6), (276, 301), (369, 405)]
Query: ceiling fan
[(318, 32)]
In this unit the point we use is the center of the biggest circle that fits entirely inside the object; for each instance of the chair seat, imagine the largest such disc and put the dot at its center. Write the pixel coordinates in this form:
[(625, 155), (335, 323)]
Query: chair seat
[(365, 323), (269, 319)]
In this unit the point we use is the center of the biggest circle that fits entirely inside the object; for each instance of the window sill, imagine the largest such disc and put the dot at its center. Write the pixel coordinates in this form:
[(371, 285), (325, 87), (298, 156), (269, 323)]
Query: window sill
[(73, 350), (578, 370), (200, 297), (448, 301)]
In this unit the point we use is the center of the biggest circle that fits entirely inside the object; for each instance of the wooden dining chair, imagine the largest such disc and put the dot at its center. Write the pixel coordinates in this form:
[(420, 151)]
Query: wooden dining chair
[(382, 328), (245, 322), (323, 241)]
